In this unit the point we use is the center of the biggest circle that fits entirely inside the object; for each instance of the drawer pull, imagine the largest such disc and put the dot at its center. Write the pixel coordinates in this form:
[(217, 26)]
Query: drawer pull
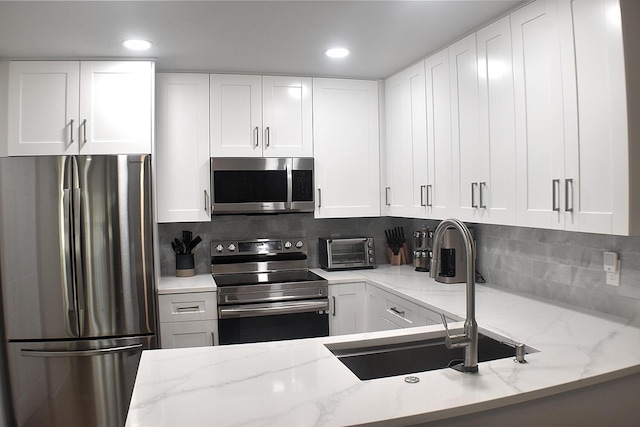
[(188, 308), (396, 311)]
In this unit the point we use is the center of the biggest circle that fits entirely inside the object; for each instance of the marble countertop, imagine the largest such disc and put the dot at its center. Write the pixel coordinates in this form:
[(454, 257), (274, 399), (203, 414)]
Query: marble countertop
[(300, 382), (180, 285)]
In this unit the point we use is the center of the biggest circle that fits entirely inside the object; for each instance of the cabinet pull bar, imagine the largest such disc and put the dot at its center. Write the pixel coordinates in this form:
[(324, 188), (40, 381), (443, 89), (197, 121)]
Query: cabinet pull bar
[(555, 188), (398, 312), (423, 202), (386, 196), (71, 127), (333, 300), (84, 131), (482, 204), (319, 197), (206, 201), (189, 308), (257, 135), (568, 183), (430, 195), (473, 195), (268, 137)]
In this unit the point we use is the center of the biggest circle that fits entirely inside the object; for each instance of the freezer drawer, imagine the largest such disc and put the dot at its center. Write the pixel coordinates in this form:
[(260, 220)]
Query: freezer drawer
[(79, 383)]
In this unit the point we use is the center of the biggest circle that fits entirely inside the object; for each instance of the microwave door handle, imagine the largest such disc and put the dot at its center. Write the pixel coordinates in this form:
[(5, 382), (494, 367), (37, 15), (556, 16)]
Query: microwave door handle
[(289, 167)]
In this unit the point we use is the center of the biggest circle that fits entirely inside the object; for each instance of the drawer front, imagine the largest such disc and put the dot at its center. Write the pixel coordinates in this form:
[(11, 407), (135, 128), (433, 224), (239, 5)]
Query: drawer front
[(187, 307), (389, 311), (200, 333), (401, 313)]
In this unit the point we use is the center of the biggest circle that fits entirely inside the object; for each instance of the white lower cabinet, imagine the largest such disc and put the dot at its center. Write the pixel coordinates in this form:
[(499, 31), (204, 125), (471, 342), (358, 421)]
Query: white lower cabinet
[(348, 308), (188, 319), (388, 311)]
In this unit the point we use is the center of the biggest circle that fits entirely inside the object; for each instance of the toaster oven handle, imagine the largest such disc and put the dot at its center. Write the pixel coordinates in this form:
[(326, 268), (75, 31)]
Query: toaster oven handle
[(351, 240)]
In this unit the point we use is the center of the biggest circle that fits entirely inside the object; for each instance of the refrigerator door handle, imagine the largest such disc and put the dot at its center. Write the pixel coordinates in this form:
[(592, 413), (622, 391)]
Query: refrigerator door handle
[(77, 258), (68, 289), (77, 353)]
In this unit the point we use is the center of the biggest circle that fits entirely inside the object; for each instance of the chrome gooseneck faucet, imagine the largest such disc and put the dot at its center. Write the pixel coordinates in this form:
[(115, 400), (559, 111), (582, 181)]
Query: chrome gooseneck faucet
[(469, 338)]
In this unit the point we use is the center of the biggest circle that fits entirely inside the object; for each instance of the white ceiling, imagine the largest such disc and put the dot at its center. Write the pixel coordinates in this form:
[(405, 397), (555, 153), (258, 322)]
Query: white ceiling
[(268, 37)]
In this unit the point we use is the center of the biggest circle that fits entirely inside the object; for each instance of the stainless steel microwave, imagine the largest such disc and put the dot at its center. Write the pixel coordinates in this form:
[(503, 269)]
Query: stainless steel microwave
[(347, 253), (261, 185)]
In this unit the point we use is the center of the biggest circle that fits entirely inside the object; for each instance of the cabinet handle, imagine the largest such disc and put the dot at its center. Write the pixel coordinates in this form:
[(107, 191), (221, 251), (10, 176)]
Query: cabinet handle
[(84, 131), (267, 137), (257, 134), (319, 198), (206, 201), (430, 195), (396, 311), (482, 205), (333, 300), (568, 183), (188, 308), (71, 127), (473, 195), (213, 339), (386, 196), (555, 189), (422, 198)]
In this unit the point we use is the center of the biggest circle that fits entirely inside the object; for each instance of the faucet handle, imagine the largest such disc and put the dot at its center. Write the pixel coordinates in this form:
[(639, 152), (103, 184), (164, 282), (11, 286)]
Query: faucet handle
[(447, 339)]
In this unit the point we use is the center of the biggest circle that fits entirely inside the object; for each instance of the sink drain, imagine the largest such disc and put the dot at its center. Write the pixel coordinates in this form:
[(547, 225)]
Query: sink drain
[(411, 380)]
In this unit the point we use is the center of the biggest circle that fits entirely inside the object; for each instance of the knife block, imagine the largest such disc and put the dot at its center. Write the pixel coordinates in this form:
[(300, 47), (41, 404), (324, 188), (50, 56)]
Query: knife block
[(401, 258), (185, 265)]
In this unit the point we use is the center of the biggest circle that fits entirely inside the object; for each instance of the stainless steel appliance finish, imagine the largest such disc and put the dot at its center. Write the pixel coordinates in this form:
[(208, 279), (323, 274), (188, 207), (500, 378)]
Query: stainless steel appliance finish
[(452, 257), (77, 279), (347, 253), (261, 185), (266, 292)]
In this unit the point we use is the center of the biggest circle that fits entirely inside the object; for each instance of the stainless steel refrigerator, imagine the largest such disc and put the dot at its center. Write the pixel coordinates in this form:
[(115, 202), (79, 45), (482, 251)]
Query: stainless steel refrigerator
[(77, 285)]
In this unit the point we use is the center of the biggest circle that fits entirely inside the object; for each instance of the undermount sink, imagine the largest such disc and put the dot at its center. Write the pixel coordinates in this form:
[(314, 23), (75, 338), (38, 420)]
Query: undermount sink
[(379, 361)]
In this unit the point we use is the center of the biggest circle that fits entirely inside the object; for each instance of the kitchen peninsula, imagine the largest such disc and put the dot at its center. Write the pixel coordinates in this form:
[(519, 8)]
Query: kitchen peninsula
[(300, 382)]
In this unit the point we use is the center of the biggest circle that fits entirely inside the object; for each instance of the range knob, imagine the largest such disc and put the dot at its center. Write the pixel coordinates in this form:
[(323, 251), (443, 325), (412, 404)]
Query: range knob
[(231, 247), (369, 243), (219, 248), (287, 245), (299, 244)]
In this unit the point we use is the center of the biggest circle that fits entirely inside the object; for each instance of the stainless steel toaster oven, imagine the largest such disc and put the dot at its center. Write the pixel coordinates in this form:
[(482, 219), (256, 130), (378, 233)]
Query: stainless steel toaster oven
[(347, 253)]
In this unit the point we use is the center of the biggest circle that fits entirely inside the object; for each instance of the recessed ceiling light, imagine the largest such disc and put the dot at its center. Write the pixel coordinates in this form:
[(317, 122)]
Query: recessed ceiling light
[(337, 52), (137, 44)]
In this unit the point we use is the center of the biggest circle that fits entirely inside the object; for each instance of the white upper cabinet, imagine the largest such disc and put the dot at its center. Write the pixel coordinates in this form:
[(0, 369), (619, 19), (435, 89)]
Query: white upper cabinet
[(182, 148), (346, 148), (287, 116), (253, 116), (468, 174), (439, 145), (540, 98), (116, 107), (497, 156), (88, 107), (406, 143), (603, 188)]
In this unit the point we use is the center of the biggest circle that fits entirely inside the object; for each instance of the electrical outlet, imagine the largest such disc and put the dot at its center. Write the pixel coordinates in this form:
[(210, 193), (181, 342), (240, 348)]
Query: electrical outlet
[(613, 277)]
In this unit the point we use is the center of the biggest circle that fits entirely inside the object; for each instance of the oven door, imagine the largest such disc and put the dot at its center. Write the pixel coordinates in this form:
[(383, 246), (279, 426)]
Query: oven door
[(247, 323)]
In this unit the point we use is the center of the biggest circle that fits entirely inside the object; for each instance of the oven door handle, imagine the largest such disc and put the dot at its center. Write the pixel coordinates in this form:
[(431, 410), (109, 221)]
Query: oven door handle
[(257, 310)]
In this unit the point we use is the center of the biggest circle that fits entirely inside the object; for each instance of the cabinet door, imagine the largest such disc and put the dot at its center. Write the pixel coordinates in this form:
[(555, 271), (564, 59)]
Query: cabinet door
[(287, 116), (406, 144), (348, 314), (539, 114), (497, 190), (599, 192), (182, 148), (346, 144), (199, 333), (236, 116), (44, 99), (468, 155), (116, 108), (439, 146)]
